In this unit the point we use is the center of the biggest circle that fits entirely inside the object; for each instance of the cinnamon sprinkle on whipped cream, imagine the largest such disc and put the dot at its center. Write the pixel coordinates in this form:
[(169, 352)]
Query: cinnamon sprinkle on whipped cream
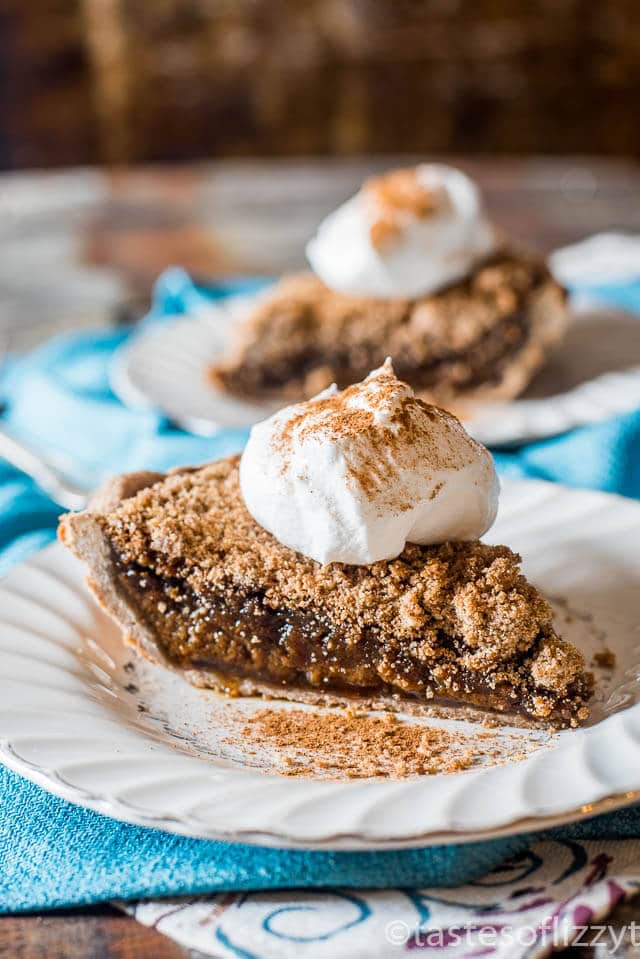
[(394, 197), (404, 234), (353, 476)]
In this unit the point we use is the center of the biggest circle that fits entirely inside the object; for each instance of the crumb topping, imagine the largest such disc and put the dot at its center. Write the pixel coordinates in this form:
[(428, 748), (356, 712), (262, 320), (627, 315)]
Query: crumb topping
[(458, 606)]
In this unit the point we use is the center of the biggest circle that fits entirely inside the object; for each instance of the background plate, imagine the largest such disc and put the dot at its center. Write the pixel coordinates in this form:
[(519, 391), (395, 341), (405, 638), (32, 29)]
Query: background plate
[(588, 380), (81, 718)]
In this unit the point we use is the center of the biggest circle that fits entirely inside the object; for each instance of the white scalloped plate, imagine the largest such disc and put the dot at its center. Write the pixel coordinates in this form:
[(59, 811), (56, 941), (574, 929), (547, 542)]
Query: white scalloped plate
[(82, 719), (592, 377)]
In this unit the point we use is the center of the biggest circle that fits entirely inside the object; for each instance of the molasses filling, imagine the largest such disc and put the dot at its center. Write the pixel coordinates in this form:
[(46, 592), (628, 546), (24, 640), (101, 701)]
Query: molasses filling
[(463, 339), (453, 372), (196, 583)]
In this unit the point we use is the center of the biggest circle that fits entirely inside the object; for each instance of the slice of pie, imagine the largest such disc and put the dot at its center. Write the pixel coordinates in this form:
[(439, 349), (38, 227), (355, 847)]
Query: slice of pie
[(196, 584), (484, 337)]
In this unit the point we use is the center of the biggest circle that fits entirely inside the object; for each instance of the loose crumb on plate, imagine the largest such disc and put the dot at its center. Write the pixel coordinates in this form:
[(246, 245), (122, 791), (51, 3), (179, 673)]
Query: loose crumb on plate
[(605, 659)]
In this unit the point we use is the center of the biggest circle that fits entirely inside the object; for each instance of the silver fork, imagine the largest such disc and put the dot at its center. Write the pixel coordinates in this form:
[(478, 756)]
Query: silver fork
[(49, 477)]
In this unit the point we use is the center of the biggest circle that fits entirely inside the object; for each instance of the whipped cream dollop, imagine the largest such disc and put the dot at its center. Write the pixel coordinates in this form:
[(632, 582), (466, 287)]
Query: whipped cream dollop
[(353, 476), (404, 234)]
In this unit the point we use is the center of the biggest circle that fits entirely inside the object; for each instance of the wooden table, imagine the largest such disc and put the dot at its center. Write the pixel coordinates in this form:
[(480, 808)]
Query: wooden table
[(81, 248)]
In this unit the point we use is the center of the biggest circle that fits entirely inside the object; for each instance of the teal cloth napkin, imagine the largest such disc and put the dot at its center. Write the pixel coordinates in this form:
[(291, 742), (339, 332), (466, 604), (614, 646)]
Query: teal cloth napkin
[(54, 854)]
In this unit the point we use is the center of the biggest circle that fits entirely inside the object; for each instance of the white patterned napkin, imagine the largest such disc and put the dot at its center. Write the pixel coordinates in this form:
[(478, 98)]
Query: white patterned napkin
[(556, 893)]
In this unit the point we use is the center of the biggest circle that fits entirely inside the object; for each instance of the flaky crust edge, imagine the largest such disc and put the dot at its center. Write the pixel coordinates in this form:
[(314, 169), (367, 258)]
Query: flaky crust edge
[(82, 534)]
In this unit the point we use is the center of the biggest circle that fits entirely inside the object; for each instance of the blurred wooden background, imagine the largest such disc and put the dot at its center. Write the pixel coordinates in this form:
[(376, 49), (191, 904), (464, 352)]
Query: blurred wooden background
[(146, 80)]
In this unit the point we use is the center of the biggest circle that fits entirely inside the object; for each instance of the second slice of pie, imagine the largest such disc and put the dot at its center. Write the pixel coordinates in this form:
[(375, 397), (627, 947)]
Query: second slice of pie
[(409, 267)]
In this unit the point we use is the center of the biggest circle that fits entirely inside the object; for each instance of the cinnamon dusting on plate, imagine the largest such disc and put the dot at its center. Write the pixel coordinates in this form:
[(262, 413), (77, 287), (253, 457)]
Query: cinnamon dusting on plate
[(353, 744)]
